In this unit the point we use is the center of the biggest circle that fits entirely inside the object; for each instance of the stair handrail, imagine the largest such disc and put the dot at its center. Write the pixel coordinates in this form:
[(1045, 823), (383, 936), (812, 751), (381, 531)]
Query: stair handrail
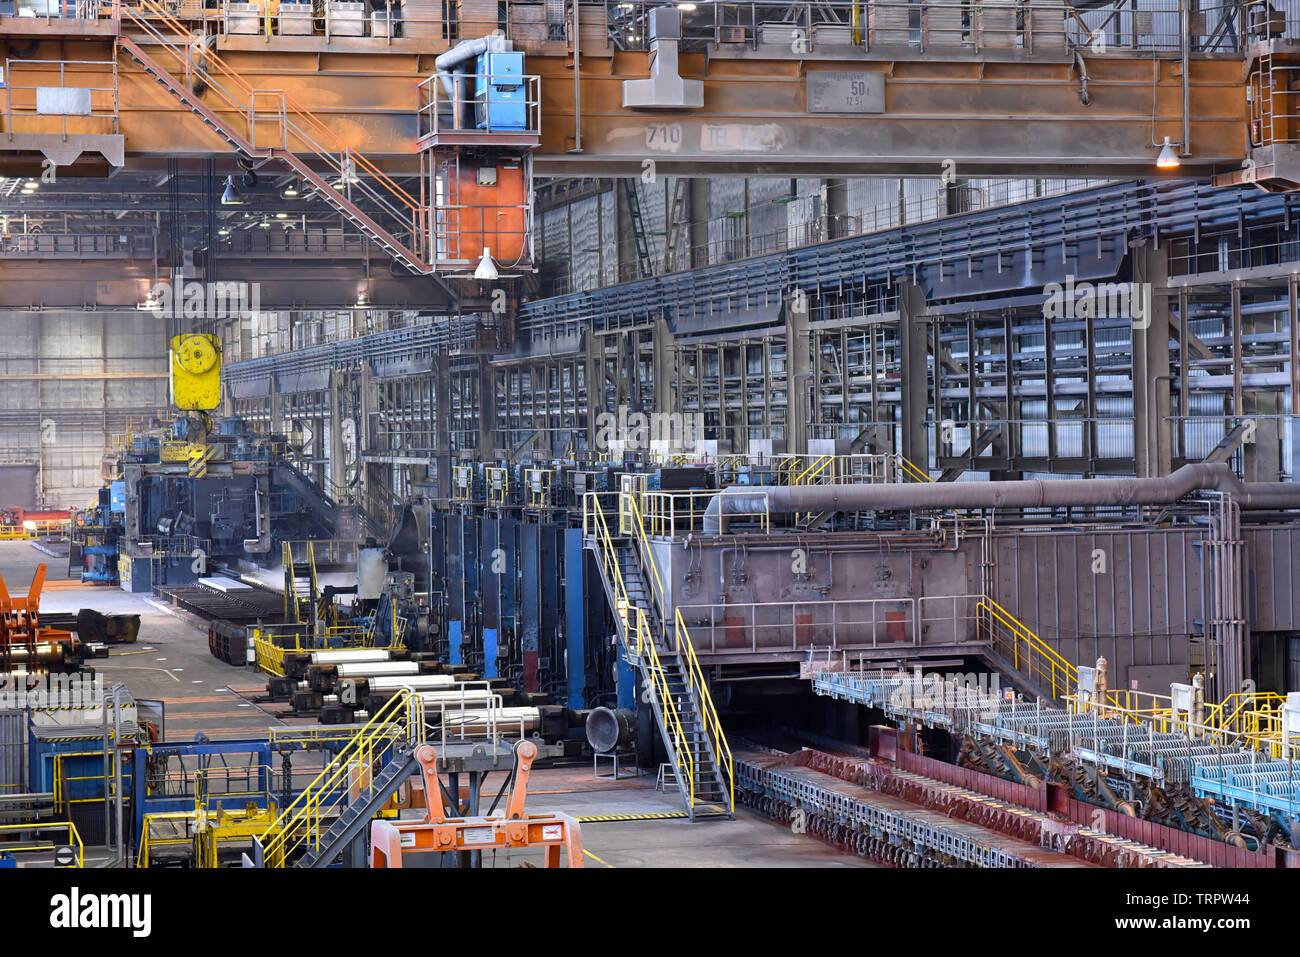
[(683, 646), (291, 587), (814, 469), (1060, 675), (606, 554), (658, 675), (401, 718), (709, 713), (910, 469), (636, 622), (417, 210)]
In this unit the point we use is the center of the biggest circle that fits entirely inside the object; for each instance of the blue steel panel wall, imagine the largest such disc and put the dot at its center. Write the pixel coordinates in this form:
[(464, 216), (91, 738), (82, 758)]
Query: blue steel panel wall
[(575, 619)]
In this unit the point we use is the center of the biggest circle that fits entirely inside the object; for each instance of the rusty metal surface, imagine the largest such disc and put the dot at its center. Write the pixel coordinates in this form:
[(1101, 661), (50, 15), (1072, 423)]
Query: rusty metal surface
[(755, 121), (1108, 822), (922, 813), (887, 827), (1212, 852)]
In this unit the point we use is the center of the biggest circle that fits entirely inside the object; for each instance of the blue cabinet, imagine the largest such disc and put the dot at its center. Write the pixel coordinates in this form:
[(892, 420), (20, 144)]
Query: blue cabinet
[(500, 92)]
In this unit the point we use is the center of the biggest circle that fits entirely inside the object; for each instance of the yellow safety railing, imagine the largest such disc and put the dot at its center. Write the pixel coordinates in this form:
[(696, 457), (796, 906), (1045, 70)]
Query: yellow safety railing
[(18, 845), (148, 841), (34, 529), (685, 650), (1245, 713), (1259, 729), (817, 468), (636, 628), (1252, 717), (300, 825), (1027, 652), (269, 648), (306, 554), (62, 780), (911, 470), (708, 713), (657, 675), (267, 654), (291, 600)]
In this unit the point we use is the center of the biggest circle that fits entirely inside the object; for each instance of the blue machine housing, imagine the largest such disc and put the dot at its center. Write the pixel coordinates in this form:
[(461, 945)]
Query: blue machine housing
[(500, 93)]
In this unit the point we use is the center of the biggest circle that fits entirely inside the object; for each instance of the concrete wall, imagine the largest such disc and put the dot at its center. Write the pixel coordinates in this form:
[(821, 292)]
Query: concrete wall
[(70, 380)]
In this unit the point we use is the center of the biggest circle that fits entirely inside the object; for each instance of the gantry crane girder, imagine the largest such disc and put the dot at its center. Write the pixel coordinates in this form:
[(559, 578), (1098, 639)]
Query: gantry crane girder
[(760, 112)]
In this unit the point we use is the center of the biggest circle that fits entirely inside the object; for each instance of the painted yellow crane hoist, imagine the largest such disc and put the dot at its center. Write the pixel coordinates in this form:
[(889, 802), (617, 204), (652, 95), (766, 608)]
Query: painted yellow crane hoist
[(194, 378)]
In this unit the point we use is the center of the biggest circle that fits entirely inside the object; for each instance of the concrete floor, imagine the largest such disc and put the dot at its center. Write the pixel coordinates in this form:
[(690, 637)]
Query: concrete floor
[(170, 661), (748, 841)]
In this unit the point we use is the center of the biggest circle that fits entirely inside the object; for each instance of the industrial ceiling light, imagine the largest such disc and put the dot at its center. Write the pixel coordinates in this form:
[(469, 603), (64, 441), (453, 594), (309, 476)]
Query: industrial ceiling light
[(290, 191), (281, 215), (686, 7), (1168, 158), (230, 196), (486, 269)]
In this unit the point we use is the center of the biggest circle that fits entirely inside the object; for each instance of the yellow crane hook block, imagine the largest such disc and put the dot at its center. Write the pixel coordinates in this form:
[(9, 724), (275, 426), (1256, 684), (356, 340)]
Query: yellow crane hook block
[(195, 372)]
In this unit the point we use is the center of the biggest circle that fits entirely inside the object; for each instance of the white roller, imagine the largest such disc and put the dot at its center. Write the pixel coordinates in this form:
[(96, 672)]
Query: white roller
[(471, 696), (414, 682), (366, 669), (505, 720), (340, 655)]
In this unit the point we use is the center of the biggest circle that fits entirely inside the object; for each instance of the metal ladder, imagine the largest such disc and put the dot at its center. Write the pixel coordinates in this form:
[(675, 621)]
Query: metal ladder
[(676, 223), (633, 196)]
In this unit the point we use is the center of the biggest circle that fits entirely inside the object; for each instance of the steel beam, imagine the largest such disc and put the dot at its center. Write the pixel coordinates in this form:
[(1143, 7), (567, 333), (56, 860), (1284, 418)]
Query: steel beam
[(987, 117)]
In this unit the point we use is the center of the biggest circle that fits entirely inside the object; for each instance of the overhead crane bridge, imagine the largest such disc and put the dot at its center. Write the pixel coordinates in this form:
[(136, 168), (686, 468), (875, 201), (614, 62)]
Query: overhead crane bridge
[(379, 118)]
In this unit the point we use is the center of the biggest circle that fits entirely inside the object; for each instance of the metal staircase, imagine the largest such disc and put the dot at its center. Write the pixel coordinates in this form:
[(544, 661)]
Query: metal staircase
[(301, 586), (350, 790), (670, 671), (1023, 658), (355, 818), (333, 517), (356, 179)]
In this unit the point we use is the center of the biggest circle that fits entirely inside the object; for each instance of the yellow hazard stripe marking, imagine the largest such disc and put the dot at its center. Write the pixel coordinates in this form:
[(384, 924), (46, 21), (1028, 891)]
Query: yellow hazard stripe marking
[(607, 818)]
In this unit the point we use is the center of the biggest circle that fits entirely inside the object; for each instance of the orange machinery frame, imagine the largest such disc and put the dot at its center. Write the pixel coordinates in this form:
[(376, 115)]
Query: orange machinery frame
[(390, 840), (20, 623)]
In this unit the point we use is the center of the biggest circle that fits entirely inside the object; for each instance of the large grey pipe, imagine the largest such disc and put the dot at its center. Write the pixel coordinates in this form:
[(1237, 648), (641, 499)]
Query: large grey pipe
[(784, 499)]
